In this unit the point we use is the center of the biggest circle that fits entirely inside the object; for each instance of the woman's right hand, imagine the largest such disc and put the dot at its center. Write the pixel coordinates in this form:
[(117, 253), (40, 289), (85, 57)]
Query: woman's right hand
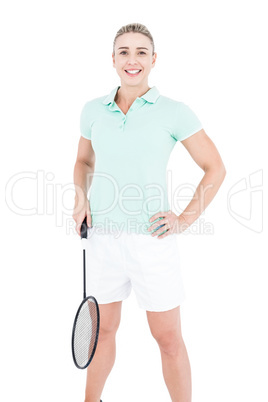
[(81, 209)]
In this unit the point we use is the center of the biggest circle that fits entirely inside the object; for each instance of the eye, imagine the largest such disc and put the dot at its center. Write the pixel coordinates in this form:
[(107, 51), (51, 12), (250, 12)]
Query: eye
[(125, 52)]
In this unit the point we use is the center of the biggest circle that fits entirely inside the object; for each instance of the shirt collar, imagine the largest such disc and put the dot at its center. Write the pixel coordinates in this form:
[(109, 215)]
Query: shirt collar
[(150, 96)]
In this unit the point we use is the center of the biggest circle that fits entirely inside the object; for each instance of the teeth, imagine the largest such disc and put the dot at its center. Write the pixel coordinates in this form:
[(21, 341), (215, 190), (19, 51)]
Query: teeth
[(133, 71)]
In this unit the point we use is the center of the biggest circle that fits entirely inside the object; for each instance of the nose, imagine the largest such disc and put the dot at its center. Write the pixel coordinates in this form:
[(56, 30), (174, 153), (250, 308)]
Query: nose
[(131, 60)]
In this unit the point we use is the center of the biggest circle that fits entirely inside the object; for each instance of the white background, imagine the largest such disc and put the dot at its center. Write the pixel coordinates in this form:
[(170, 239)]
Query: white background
[(56, 55)]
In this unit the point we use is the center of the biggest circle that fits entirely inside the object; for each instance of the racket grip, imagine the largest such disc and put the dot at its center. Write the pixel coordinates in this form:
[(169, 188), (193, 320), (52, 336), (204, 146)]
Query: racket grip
[(84, 229)]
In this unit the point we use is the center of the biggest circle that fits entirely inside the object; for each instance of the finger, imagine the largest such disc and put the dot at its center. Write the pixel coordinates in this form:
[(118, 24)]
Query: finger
[(160, 230), (164, 235), (157, 215), (89, 221), (158, 224), (79, 225)]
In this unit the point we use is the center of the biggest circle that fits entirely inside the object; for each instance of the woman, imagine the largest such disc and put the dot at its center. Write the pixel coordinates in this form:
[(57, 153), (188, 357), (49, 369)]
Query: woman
[(126, 140)]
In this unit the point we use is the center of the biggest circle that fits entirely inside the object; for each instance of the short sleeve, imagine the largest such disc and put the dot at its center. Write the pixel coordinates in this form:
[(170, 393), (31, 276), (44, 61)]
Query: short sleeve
[(86, 122), (186, 122)]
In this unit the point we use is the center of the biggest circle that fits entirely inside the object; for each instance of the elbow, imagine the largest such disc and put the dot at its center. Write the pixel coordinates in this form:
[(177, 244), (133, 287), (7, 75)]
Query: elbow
[(218, 169), (222, 171), (85, 162)]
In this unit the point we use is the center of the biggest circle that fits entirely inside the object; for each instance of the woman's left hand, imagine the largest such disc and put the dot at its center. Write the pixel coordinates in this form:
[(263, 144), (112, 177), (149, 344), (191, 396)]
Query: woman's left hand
[(170, 222)]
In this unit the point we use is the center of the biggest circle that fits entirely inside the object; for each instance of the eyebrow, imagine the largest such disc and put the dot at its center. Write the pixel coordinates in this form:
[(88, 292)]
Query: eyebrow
[(125, 47)]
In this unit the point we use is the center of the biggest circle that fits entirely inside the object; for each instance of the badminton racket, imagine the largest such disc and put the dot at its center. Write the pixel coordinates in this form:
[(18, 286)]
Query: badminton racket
[(87, 320)]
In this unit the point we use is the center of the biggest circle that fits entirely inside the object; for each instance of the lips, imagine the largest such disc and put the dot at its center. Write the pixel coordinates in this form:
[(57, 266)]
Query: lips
[(132, 74)]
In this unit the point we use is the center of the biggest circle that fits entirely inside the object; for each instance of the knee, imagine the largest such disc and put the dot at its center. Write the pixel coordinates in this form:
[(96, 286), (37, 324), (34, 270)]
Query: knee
[(108, 329), (110, 316), (169, 342)]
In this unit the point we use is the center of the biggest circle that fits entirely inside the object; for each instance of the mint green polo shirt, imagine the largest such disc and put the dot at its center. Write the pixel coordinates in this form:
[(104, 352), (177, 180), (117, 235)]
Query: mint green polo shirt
[(132, 152)]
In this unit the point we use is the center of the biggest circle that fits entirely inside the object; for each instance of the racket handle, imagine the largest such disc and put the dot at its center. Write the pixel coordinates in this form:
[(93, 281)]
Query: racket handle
[(84, 229), (84, 240)]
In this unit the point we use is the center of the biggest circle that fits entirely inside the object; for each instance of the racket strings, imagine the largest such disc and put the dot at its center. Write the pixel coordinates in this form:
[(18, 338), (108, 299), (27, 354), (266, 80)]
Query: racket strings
[(85, 332)]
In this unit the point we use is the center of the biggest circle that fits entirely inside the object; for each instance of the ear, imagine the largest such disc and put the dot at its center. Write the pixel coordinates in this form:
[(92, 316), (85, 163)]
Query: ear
[(154, 59)]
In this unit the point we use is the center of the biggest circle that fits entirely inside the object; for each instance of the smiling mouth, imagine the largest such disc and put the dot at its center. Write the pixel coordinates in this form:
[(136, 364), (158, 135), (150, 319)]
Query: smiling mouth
[(132, 74)]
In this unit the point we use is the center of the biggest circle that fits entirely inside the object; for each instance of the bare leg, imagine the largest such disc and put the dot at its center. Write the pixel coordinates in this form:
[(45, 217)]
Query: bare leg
[(166, 329), (104, 357), (177, 374)]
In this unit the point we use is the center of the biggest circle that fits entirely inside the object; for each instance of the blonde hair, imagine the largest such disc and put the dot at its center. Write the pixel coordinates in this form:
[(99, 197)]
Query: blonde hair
[(134, 27)]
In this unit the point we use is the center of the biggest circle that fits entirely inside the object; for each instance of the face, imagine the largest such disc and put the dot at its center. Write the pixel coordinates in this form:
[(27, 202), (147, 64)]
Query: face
[(133, 51)]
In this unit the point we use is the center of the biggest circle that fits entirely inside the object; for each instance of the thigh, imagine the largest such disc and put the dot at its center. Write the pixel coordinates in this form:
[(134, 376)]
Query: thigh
[(153, 266), (164, 322), (106, 277)]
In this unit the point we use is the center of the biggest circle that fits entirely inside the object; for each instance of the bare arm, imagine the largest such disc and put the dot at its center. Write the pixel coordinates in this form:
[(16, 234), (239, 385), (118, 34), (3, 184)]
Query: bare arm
[(82, 176), (205, 154)]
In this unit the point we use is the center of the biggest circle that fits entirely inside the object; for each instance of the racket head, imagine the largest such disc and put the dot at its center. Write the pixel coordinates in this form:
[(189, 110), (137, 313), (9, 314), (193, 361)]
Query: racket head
[(85, 332)]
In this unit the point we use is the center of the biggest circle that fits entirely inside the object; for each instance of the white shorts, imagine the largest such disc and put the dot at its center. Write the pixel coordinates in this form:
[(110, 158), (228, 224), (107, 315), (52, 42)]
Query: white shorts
[(117, 263)]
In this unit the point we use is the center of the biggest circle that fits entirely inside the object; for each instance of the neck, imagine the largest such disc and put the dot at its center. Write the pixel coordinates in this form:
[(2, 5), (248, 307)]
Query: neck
[(127, 95)]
